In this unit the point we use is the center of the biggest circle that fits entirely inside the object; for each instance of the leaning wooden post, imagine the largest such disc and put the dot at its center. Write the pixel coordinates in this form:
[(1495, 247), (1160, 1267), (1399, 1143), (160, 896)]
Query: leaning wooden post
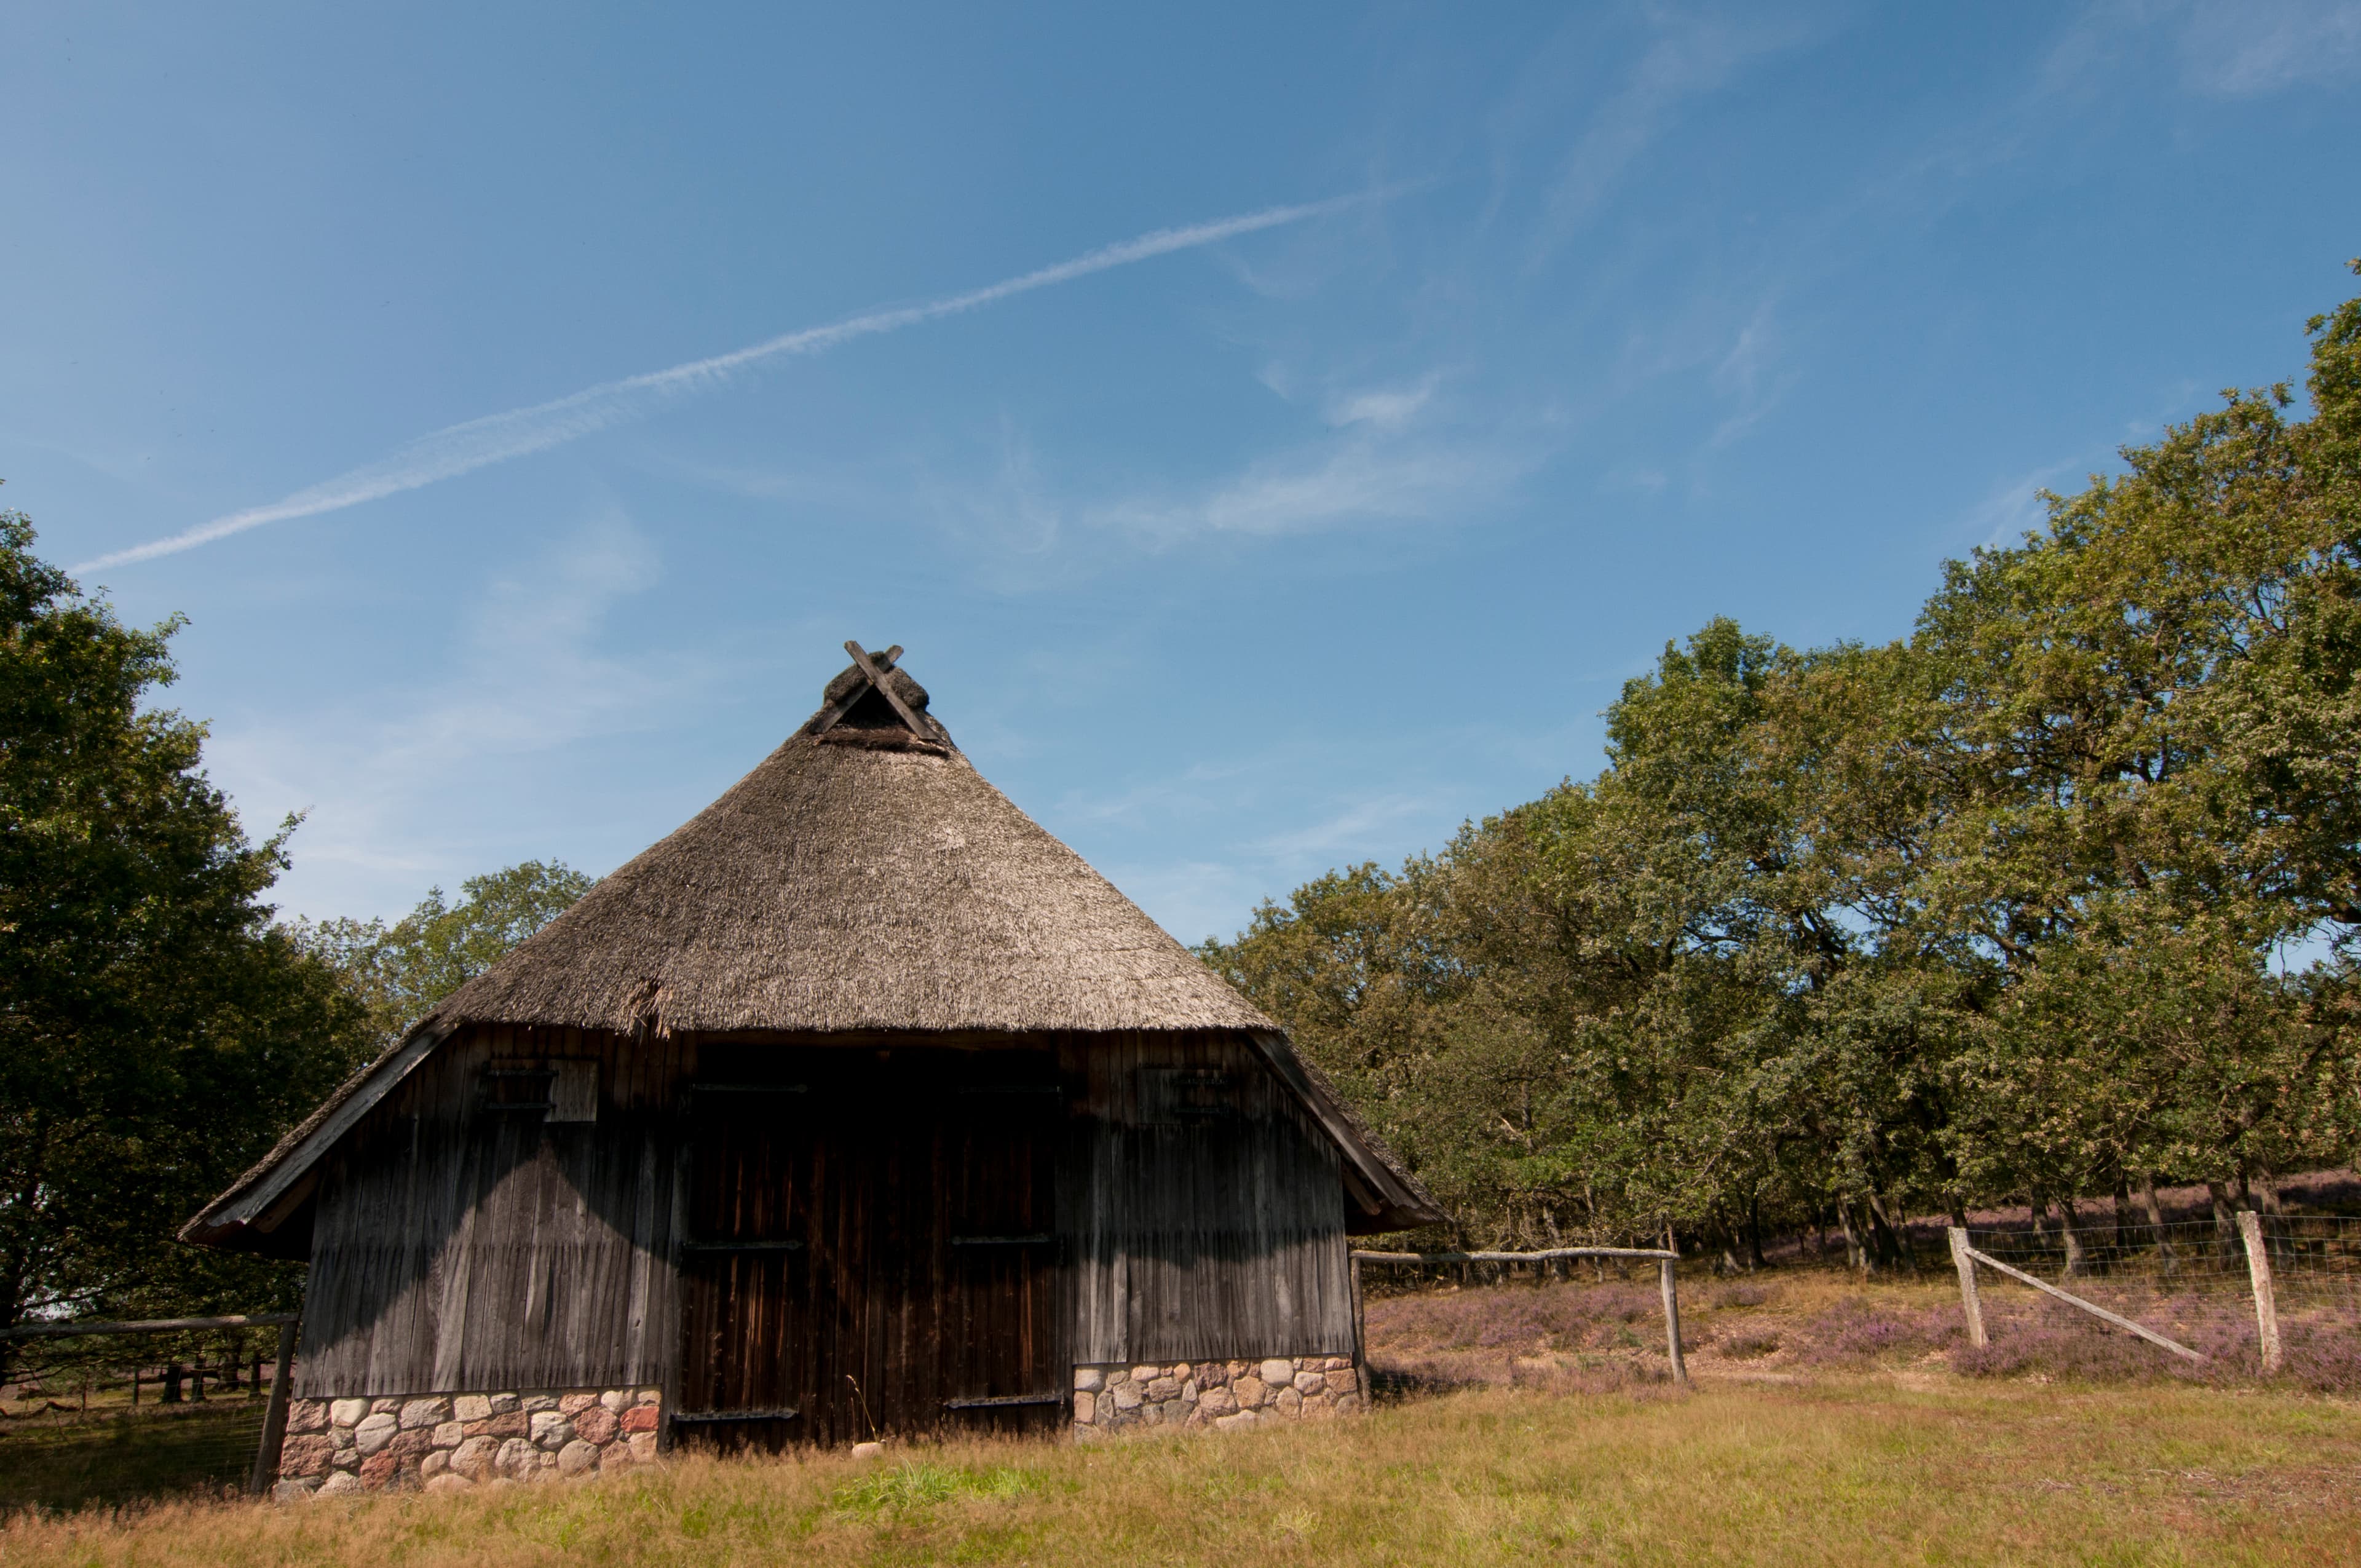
[(2258, 1270), (1673, 1322), (1360, 1335), (1970, 1302), (274, 1415)]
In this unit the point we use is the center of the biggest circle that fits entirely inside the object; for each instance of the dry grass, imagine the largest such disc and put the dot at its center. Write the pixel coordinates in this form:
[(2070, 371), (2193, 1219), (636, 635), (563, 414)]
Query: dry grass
[(1828, 1426), (1853, 1469)]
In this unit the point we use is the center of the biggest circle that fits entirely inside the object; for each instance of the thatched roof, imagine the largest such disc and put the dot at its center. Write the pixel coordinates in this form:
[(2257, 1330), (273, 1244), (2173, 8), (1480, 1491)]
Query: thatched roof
[(859, 878), (864, 878)]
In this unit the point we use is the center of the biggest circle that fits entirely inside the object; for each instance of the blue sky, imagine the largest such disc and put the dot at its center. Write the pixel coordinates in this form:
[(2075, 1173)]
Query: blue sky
[(1470, 354)]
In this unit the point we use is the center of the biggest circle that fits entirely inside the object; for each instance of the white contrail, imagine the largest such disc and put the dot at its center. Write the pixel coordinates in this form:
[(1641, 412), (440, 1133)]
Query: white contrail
[(479, 443)]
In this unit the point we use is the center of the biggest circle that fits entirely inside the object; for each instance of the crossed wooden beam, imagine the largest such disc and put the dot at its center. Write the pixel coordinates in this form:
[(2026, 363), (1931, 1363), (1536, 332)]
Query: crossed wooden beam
[(874, 668)]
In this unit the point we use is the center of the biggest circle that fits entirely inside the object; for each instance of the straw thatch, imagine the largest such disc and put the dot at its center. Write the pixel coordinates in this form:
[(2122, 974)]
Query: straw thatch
[(866, 878)]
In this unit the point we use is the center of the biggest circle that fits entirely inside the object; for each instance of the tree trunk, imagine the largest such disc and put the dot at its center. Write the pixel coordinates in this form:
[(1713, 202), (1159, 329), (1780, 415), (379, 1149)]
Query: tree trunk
[(2225, 1223), (2069, 1234), (1755, 1258), (2165, 1261), (1857, 1256), (1889, 1235), (2123, 1215), (2267, 1191)]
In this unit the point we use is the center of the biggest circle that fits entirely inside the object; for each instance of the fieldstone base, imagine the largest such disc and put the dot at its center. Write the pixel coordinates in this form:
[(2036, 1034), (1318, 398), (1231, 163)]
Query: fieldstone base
[(1225, 1394), (449, 1443)]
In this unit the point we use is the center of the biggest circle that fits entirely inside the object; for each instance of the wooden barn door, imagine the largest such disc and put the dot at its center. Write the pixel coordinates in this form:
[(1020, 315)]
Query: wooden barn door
[(745, 1261), (1003, 1369), (871, 1248)]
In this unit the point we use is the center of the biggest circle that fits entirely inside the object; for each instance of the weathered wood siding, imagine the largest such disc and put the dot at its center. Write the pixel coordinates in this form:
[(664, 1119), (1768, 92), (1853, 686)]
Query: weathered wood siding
[(1204, 1211), (458, 1248), (1198, 1212)]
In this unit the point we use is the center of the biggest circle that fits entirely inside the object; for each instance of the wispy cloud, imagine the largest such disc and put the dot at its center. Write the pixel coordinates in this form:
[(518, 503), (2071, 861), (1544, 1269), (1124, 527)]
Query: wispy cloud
[(1386, 409), (1359, 479), (2241, 51), (437, 781), (1392, 454), (2013, 508), (1689, 58), (495, 438)]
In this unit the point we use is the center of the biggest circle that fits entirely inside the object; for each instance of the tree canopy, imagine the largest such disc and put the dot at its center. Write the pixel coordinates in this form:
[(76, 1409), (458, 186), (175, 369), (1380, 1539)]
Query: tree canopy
[(157, 1032), (399, 972), (2059, 894)]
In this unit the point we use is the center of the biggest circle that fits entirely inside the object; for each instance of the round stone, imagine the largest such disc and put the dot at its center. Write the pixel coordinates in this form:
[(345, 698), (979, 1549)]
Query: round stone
[(475, 1457), (374, 1431), (577, 1458)]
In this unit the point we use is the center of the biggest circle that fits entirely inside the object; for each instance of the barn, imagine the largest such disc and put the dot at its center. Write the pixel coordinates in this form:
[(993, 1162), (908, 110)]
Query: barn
[(859, 1107)]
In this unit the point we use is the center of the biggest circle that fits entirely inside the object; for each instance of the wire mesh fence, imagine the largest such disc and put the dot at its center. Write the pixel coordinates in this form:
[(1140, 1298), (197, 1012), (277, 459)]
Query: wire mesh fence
[(116, 1415), (2289, 1303), (2315, 1259)]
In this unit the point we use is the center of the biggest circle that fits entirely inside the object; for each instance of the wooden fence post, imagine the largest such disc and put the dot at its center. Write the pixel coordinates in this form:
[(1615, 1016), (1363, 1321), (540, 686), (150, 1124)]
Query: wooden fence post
[(274, 1416), (1970, 1302), (2258, 1270), (1673, 1322), (1360, 1337)]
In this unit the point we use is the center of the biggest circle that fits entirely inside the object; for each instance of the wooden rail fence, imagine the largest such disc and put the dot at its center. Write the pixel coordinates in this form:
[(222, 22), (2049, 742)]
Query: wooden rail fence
[(1663, 1260), (274, 1415)]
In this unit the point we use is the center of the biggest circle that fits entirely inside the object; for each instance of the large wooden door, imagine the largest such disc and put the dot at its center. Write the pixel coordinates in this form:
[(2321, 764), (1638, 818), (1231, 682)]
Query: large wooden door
[(871, 1247)]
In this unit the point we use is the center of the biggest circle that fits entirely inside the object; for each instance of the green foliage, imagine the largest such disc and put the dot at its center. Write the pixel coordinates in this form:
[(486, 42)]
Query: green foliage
[(399, 972), (2000, 908), (156, 1033)]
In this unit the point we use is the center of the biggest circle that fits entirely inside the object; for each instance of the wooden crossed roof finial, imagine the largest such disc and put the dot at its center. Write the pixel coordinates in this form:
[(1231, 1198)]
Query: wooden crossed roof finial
[(874, 668)]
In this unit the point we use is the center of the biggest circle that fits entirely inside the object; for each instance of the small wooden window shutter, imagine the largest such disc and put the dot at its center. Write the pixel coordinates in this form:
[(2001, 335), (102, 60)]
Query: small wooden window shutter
[(574, 1092)]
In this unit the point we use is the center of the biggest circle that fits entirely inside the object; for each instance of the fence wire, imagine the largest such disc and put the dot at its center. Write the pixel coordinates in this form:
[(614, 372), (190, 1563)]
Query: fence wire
[(2315, 1260), (114, 1417)]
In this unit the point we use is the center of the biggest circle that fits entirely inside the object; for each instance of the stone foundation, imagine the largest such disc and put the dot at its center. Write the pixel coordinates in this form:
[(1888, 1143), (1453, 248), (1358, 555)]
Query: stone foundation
[(449, 1443), (1225, 1394)]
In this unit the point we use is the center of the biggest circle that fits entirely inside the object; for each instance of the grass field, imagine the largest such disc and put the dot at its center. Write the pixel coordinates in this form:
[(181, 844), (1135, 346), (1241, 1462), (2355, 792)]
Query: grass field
[(1537, 1429), (1846, 1471)]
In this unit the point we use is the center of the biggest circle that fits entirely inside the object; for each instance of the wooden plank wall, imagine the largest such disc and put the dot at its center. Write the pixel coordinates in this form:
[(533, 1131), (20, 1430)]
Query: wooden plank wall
[(457, 1248), (1197, 1237), (884, 1163)]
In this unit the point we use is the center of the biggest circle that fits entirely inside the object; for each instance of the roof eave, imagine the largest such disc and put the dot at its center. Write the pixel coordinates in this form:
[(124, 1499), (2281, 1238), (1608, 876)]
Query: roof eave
[(275, 1188)]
